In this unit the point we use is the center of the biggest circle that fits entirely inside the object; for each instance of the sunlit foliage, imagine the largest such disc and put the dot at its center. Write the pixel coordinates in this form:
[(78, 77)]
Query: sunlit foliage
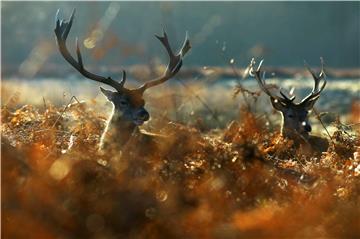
[(242, 182)]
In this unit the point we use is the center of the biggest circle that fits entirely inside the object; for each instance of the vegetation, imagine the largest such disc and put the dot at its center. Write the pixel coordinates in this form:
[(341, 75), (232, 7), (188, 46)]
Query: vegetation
[(244, 181)]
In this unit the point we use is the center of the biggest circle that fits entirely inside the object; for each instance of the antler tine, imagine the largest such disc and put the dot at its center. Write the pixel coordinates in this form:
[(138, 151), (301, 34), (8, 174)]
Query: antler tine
[(165, 41), (315, 92), (174, 65), (262, 84), (62, 29), (321, 76), (261, 80), (122, 82), (285, 96)]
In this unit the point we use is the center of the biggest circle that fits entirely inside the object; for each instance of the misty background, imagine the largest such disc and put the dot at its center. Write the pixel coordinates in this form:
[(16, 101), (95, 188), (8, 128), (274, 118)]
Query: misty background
[(122, 33)]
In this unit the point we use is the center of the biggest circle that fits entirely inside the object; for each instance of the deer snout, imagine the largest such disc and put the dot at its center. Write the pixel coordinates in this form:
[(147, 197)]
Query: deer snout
[(307, 127), (143, 115)]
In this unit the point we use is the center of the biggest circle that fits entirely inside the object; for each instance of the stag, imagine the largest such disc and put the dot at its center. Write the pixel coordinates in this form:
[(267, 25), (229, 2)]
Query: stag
[(295, 116), (128, 104)]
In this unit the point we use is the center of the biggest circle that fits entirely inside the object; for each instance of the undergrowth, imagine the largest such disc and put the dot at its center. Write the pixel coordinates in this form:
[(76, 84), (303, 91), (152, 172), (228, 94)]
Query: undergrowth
[(242, 182)]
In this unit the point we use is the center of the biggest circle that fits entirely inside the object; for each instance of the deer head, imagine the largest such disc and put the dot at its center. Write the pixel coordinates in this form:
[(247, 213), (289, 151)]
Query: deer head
[(295, 115), (128, 103)]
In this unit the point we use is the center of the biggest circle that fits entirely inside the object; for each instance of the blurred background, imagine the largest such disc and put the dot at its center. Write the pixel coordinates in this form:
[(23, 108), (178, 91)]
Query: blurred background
[(224, 35), (121, 33)]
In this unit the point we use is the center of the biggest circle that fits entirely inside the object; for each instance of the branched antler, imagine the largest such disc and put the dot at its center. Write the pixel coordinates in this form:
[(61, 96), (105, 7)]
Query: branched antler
[(263, 86), (316, 91), (174, 65), (62, 29)]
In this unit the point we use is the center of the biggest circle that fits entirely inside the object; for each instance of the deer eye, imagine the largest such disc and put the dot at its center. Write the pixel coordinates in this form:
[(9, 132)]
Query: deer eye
[(123, 103), (291, 116)]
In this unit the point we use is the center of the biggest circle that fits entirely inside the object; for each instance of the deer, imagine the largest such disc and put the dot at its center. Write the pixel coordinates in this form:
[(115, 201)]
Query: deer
[(128, 105), (295, 123)]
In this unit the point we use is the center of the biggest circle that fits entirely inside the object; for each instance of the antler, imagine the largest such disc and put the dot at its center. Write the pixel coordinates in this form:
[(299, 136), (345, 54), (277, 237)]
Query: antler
[(62, 30), (315, 93), (175, 62), (261, 81)]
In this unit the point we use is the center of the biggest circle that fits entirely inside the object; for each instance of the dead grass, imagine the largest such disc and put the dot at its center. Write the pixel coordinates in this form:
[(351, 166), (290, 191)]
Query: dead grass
[(241, 182)]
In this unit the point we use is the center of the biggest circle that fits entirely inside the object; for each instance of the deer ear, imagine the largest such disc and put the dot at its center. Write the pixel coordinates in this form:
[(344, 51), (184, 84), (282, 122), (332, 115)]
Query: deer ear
[(277, 104), (108, 93)]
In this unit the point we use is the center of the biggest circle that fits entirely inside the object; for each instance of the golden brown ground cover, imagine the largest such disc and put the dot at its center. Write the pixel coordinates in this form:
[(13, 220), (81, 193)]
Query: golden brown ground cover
[(245, 181)]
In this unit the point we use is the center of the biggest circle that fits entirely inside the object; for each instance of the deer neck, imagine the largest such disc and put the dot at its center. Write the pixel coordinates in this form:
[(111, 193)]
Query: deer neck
[(118, 130)]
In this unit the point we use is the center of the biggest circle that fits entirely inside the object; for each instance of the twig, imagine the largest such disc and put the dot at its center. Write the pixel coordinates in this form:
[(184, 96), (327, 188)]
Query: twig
[(175, 106), (238, 78), (322, 123), (14, 97), (43, 130), (213, 113), (45, 106), (66, 107), (354, 124)]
